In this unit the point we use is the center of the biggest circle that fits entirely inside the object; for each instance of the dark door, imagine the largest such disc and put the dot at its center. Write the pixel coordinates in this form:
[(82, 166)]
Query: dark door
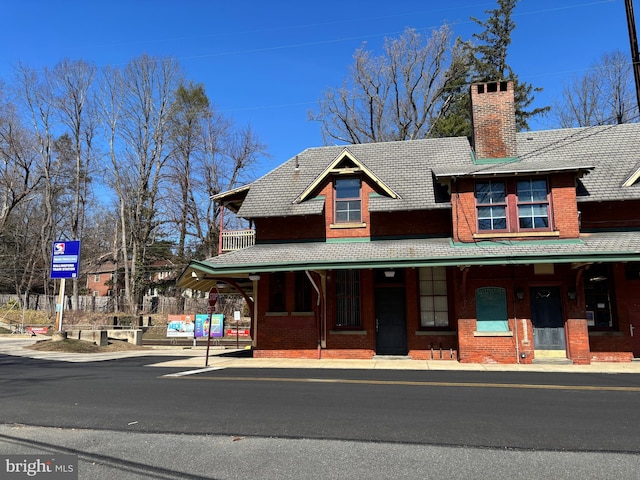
[(546, 316), (391, 327), (634, 316)]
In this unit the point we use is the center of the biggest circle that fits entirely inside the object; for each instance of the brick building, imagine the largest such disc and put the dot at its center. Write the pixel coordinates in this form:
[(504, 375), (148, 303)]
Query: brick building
[(518, 247)]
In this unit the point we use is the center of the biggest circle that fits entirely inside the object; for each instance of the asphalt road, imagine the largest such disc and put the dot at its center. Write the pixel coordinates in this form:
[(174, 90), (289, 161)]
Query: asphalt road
[(127, 420)]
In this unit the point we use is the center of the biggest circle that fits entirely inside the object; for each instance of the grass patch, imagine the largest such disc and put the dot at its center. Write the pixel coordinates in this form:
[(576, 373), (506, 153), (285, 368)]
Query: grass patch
[(70, 345)]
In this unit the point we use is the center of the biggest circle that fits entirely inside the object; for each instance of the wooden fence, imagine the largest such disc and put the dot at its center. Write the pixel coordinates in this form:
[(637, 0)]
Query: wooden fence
[(150, 305)]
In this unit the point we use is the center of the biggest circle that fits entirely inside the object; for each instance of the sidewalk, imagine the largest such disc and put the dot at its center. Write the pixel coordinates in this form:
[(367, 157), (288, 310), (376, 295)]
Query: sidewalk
[(195, 358)]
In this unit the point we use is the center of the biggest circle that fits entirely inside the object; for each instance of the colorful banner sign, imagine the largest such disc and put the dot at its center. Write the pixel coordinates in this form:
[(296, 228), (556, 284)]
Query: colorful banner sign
[(180, 326), (202, 325)]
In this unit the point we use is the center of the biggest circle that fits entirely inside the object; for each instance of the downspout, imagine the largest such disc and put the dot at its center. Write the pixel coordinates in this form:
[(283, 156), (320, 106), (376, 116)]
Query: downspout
[(515, 328), (515, 316), (254, 315), (318, 315)]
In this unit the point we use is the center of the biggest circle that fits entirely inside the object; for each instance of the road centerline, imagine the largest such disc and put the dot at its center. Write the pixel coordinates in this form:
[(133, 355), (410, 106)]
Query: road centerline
[(416, 383)]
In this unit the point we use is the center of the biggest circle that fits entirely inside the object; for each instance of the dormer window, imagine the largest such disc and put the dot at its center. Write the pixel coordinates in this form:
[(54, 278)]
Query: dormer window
[(491, 202), (348, 200), (533, 203), (512, 205)]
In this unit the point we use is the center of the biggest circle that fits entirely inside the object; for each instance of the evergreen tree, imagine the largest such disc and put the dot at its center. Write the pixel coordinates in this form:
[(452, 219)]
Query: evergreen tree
[(490, 59), (487, 56)]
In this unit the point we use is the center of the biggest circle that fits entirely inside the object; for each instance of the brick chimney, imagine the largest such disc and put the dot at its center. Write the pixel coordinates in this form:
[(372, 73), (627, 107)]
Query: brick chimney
[(494, 120)]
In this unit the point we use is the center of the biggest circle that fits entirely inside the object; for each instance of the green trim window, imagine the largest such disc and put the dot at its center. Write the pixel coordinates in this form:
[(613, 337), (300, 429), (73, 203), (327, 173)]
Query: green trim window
[(348, 202), (513, 205), (491, 310), (533, 203), (434, 309), (491, 202), (348, 299)]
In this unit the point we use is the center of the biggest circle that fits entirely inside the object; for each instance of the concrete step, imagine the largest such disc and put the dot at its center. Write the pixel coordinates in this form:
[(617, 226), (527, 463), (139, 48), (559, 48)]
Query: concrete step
[(391, 357), (552, 361)]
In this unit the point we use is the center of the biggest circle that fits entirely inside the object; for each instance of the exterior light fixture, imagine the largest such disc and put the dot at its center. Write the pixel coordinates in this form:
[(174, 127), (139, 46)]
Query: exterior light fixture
[(572, 294), (389, 273), (195, 275), (254, 277), (520, 293)]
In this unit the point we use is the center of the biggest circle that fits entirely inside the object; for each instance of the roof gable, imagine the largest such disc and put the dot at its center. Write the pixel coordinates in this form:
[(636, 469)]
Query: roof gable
[(345, 163), (633, 179)]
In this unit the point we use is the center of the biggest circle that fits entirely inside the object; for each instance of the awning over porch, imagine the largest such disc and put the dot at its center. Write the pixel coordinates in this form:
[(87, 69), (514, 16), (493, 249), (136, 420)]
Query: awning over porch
[(238, 265)]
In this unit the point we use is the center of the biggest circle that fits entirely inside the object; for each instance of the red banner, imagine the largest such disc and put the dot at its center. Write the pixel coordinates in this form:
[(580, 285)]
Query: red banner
[(242, 332), (38, 330)]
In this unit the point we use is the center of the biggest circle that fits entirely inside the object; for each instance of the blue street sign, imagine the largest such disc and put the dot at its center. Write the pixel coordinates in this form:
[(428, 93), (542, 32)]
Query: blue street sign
[(65, 259)]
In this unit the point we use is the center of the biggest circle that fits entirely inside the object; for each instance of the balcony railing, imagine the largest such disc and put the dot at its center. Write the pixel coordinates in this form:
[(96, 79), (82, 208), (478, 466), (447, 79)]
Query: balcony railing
[(237, 240)]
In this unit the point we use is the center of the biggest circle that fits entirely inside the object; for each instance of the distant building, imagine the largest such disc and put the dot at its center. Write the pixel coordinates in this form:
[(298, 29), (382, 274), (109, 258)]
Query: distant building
[(100, 277), (104, 277)]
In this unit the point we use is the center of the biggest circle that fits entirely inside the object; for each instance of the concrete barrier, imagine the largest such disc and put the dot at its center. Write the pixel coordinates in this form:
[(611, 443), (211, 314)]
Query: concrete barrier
[(101, 337), (131, 336)]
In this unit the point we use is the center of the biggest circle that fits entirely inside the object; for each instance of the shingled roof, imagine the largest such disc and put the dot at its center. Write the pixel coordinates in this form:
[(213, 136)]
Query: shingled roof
[(590, 247), (609, 154)]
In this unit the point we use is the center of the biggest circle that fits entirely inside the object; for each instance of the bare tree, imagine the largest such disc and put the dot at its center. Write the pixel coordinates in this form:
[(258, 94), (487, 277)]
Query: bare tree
[(136, 107), (20, 181), (396, 96), (229, 157), (207, 155), (188, 111), (109, 106), (73, 82), (19, 177), (603, 95), (24, 266), (37, 92)]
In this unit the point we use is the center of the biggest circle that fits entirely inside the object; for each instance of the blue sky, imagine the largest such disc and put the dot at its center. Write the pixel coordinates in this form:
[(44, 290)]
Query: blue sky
[(266, 63)]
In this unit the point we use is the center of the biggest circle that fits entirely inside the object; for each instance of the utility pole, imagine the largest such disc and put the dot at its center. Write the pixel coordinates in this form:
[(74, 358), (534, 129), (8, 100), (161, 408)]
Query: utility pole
[(633, 40)]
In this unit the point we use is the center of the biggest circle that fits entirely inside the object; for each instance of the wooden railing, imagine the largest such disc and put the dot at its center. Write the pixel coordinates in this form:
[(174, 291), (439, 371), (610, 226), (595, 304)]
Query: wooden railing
[(237, 240)]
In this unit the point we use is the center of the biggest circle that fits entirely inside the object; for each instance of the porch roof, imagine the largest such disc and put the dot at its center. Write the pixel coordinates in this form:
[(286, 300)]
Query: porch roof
[(589, 248)]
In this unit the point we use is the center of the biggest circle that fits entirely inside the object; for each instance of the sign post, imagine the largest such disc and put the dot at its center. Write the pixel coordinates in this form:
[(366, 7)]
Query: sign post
[(65, 258), (236, 317), (213, 298)]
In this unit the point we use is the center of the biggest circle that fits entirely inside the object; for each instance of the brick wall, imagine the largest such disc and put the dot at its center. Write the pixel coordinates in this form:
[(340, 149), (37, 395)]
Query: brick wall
[(610, 347), (577, 335), (296, 336), (98, 285), (359, 232), (563, 207), (463, 211), (485, 349), (351, 354)]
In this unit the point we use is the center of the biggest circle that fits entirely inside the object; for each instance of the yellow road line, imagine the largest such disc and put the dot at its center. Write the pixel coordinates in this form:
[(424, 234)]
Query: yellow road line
[(416, 383)]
